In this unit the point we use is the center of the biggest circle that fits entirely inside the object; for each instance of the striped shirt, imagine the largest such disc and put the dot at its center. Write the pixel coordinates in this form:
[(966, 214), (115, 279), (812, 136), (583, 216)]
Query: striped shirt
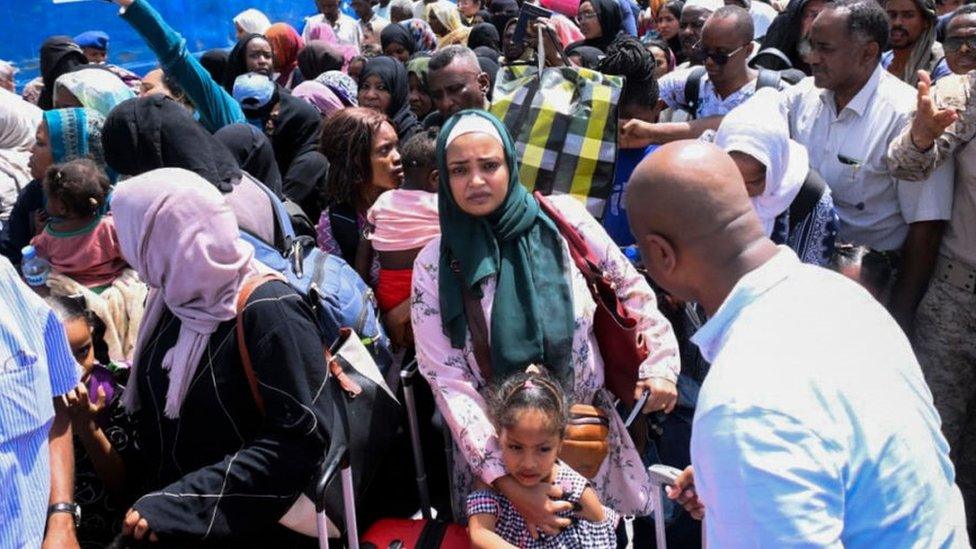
[(36, 365)]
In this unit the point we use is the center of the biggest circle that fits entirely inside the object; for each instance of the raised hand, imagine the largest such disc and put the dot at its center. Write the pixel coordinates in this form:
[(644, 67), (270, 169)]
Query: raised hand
[(929, 122)]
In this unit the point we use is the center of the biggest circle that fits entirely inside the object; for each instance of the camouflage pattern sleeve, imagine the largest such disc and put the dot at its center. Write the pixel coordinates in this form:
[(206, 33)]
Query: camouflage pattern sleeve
[(907, 162)]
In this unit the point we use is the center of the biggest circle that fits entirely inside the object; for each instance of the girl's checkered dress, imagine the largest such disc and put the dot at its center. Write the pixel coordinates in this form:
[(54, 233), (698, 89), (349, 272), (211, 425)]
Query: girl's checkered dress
[(510, 525)]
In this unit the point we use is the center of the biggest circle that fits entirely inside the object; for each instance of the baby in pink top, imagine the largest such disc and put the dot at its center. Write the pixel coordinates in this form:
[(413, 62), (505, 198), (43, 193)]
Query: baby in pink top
[(78, 240)]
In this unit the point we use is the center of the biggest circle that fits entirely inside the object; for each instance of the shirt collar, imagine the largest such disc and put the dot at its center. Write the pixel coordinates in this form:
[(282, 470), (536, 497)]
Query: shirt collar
[(859, 104), (711, 336)]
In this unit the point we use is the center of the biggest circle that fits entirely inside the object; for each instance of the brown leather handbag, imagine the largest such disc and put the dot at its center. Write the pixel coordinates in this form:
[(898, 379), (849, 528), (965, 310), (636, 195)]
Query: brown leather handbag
[(585, 445)]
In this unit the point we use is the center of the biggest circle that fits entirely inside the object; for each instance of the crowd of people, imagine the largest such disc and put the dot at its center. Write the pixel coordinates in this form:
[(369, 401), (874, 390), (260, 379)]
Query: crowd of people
[(789, 229)]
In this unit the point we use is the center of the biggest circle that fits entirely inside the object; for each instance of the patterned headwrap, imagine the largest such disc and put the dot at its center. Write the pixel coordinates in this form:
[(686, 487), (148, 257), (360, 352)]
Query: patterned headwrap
[(75, 133), (342, 85)]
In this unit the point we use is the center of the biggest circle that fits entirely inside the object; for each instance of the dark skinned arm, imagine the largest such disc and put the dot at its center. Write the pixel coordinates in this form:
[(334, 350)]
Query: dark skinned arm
[(918, 257), (637, 133), (60, 531)]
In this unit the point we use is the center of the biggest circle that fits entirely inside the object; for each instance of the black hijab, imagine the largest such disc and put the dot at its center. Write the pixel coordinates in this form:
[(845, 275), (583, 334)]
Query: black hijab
[(394, 77), (589, 56), (253, 153), (317, 57), (611, 23), (396, 33), (489, 53), (503, 11), (237, 61), (59, 55), (484, 34), (215, 61), (146, 133), (296, 130), (783, 34)]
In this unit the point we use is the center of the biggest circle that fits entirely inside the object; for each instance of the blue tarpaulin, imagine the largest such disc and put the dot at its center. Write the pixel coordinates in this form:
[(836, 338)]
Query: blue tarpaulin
[(206, 24)]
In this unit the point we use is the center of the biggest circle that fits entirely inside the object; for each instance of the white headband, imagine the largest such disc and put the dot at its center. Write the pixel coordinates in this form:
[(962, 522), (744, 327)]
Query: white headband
[(472, 123)]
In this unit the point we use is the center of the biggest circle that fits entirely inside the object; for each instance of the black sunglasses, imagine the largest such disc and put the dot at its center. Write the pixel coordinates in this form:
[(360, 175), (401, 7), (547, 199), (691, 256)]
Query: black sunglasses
[(956, 43), (720, 58)]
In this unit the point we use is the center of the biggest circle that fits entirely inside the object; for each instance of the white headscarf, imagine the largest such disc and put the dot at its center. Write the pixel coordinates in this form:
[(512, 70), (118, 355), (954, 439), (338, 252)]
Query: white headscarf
[(759, 129), (252, 21), (18, 126), (96, 89)]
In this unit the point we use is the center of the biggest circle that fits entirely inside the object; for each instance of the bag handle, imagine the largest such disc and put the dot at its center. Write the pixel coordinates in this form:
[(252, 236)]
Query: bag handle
[(347, 384), (243, 296), (477, 325), (541, 49)]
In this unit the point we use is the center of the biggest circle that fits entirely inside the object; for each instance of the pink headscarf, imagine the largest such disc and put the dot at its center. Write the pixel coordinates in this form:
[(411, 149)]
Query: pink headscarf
[(320, 96), (323, 31), (178, 232)]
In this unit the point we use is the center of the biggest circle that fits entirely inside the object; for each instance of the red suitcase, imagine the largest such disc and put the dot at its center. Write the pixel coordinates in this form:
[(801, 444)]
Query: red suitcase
[(393, 533), (427, 533)]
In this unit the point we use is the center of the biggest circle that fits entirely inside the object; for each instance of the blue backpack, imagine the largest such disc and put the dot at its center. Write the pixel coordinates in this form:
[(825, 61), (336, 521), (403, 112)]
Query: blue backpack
[(334, 290)]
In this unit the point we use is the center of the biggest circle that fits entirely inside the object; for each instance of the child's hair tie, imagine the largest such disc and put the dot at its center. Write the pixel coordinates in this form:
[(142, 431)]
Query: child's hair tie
[(528, 384)]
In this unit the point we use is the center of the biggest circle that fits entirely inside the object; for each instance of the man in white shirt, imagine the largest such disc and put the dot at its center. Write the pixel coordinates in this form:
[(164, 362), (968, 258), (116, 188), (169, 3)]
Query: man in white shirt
[(346, 28), (370, 24), (846, 115), (814, 427)]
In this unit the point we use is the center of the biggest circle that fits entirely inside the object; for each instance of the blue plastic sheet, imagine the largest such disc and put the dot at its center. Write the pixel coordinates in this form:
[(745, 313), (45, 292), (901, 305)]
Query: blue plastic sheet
[(206, 24)]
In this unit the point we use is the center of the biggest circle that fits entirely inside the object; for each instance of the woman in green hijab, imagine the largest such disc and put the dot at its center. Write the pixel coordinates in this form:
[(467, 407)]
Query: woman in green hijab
[(500, 249)]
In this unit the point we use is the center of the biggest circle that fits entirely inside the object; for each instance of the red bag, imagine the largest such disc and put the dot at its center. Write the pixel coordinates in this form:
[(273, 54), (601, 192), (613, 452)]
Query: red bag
[(393, 533), (622, 347)]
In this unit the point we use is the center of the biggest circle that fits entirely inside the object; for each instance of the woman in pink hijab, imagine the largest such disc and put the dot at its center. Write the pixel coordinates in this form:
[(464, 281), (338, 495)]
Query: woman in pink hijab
[(202, 431)]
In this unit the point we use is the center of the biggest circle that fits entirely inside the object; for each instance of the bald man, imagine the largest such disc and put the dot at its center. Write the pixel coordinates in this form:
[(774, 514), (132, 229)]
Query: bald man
[(814, 427)]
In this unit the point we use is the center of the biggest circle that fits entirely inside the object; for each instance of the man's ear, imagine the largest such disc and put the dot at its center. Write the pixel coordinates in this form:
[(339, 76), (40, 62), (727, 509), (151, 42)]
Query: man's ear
[(659, 255), (484, 82)]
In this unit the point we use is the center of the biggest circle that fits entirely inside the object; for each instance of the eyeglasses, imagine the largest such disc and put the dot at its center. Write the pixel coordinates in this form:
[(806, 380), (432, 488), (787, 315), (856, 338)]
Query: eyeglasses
[(720, 58), (956, 43), (586, 16)]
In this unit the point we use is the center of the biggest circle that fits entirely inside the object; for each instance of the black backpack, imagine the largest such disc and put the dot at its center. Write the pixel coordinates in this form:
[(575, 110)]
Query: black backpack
[(765, 79)]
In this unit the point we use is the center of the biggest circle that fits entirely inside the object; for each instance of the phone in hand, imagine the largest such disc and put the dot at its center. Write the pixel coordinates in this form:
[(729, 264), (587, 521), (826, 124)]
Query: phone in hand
[(527, 14), (663, 474)]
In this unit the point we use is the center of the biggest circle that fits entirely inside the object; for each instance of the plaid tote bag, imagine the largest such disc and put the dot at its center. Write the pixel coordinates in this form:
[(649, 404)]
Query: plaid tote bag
[(564, 122)]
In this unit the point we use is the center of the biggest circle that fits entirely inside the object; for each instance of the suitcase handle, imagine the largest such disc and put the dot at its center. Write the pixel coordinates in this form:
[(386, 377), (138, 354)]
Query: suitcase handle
[(407, 377)]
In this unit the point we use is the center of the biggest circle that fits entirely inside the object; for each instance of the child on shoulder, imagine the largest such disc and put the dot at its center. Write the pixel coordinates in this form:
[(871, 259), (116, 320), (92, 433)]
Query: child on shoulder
[(79, 241)]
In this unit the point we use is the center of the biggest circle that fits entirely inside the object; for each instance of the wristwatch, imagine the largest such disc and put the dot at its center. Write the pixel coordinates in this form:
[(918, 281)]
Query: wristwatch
[(71, 508)]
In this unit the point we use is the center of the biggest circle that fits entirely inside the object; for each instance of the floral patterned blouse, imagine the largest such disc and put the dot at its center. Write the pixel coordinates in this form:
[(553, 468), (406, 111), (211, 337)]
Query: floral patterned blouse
[(622, 482)]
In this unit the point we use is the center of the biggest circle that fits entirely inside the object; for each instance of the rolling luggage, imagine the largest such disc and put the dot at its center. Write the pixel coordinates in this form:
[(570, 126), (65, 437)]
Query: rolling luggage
[(426, 533), (661, 476)]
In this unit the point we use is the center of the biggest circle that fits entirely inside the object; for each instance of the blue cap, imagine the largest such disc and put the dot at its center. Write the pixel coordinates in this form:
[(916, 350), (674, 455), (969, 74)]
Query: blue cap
[(253, 90), (92, 39)]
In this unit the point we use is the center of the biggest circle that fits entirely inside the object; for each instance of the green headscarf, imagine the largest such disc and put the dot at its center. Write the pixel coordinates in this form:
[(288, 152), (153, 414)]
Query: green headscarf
[(532, 317)]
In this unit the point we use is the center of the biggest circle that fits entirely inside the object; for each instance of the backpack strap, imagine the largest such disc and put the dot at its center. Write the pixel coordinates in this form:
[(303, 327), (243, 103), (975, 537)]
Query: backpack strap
[(806, 200), (769, 79), (345, 230), (693, 91), (247, 289), (477, 325)]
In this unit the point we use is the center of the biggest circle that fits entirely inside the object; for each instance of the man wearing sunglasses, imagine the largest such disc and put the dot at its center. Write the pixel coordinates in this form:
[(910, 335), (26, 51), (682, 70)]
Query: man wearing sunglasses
[(723, 51), (942, 131)]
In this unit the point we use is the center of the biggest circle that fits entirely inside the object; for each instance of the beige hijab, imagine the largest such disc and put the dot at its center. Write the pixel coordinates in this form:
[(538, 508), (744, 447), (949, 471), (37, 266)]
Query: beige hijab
[(18, 125)]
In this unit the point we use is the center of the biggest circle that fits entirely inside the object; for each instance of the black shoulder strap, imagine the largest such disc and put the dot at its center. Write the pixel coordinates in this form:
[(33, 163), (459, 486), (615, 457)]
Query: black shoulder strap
[(693, 90), (342, 218), (813, 188), (768, 79)]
